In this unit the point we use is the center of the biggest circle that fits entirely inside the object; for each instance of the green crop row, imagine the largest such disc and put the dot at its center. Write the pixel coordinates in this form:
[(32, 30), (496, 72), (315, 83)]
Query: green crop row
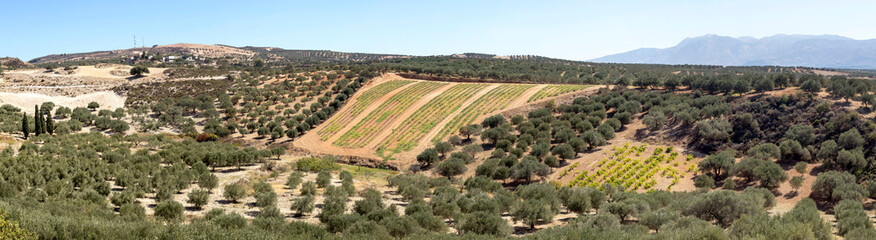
[(336, 123), (406, 136), (624, 169), (494, 100), (365, 130), (555, 90)]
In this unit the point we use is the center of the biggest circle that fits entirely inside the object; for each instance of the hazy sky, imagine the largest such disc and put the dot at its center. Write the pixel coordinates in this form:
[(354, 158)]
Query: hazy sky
[(576, 30)]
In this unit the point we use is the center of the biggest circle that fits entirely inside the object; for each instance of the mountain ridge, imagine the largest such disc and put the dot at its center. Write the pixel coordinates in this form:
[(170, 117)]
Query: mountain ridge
[(821, 51)]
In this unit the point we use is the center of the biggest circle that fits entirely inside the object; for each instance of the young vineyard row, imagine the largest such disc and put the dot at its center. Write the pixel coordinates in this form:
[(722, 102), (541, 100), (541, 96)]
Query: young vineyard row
[(362, 102), (624, 167), (406, 136), (364, 131), (494, 100), (555, 90)]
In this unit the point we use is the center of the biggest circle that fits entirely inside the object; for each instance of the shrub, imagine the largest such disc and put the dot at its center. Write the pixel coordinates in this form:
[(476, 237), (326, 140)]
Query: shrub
[(139, 71), (704, 181), (312, 164), (208, 181), (132, 211), (308, 188), (452, 167), (294, 180), (198, 198), (169, 210), (482, 183), (729, 184), (851, 139), (723, 206), (486, 224), (230, 221), (207, 137), (303, 205), (428, 157), (234, 192), (266, 199), (323, 179)]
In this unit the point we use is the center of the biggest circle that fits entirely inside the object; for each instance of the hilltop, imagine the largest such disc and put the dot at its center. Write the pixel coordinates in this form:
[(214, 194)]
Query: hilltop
[(207, 53), (169, 52)]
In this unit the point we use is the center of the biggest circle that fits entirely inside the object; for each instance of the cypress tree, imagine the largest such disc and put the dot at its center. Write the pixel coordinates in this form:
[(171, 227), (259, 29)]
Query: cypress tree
[(50, 124), (24, 127), (36, 120), (44, 127)]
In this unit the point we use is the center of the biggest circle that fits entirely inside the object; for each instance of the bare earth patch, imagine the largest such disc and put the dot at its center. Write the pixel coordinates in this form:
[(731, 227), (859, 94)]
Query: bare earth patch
[(26, 101)]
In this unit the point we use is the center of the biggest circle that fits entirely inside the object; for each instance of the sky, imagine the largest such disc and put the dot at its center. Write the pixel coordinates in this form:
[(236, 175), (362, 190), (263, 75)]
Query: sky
[(576, 30)]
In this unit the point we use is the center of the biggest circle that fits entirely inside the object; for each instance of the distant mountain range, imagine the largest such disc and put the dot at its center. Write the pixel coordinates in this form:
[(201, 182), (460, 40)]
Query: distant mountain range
[(825, 51)]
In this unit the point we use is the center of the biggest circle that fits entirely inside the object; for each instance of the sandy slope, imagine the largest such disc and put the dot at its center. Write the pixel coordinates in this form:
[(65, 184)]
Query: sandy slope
[(89, 71), (26, 101)]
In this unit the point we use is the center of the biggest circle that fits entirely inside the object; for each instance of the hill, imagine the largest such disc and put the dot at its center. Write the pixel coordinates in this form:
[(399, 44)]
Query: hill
[(11, 62), (290, 55), (190, 51), (828, 51), (171, 51)]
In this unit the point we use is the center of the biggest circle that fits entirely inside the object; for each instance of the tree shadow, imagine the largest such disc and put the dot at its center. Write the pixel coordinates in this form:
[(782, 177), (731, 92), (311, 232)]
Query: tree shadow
[(518, 230), (135, 77), (194, 209), (232, 170), (566, 219), (843, 103), (416, 167), (864, 110), (252, 213)]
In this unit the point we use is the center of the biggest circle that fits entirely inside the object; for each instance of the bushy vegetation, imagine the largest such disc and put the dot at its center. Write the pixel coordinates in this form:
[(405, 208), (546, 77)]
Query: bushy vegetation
[(66, 185)]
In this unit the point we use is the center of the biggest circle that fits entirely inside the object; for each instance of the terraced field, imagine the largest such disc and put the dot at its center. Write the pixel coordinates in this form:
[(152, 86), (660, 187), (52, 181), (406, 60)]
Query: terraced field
[(555, 90), (496, 99), (398, 116), (415, 127), (337, 123), (365, 131)]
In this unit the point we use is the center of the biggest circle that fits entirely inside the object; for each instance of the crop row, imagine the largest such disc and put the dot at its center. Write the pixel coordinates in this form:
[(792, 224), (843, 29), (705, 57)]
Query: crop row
[(555, 90), (621, 168), (341, 119), (567, 170), (406, 136), (379, 119), (493, 100)]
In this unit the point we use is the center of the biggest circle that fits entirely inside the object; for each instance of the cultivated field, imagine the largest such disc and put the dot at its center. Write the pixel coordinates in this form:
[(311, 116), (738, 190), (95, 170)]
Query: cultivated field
[(393, 115)]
